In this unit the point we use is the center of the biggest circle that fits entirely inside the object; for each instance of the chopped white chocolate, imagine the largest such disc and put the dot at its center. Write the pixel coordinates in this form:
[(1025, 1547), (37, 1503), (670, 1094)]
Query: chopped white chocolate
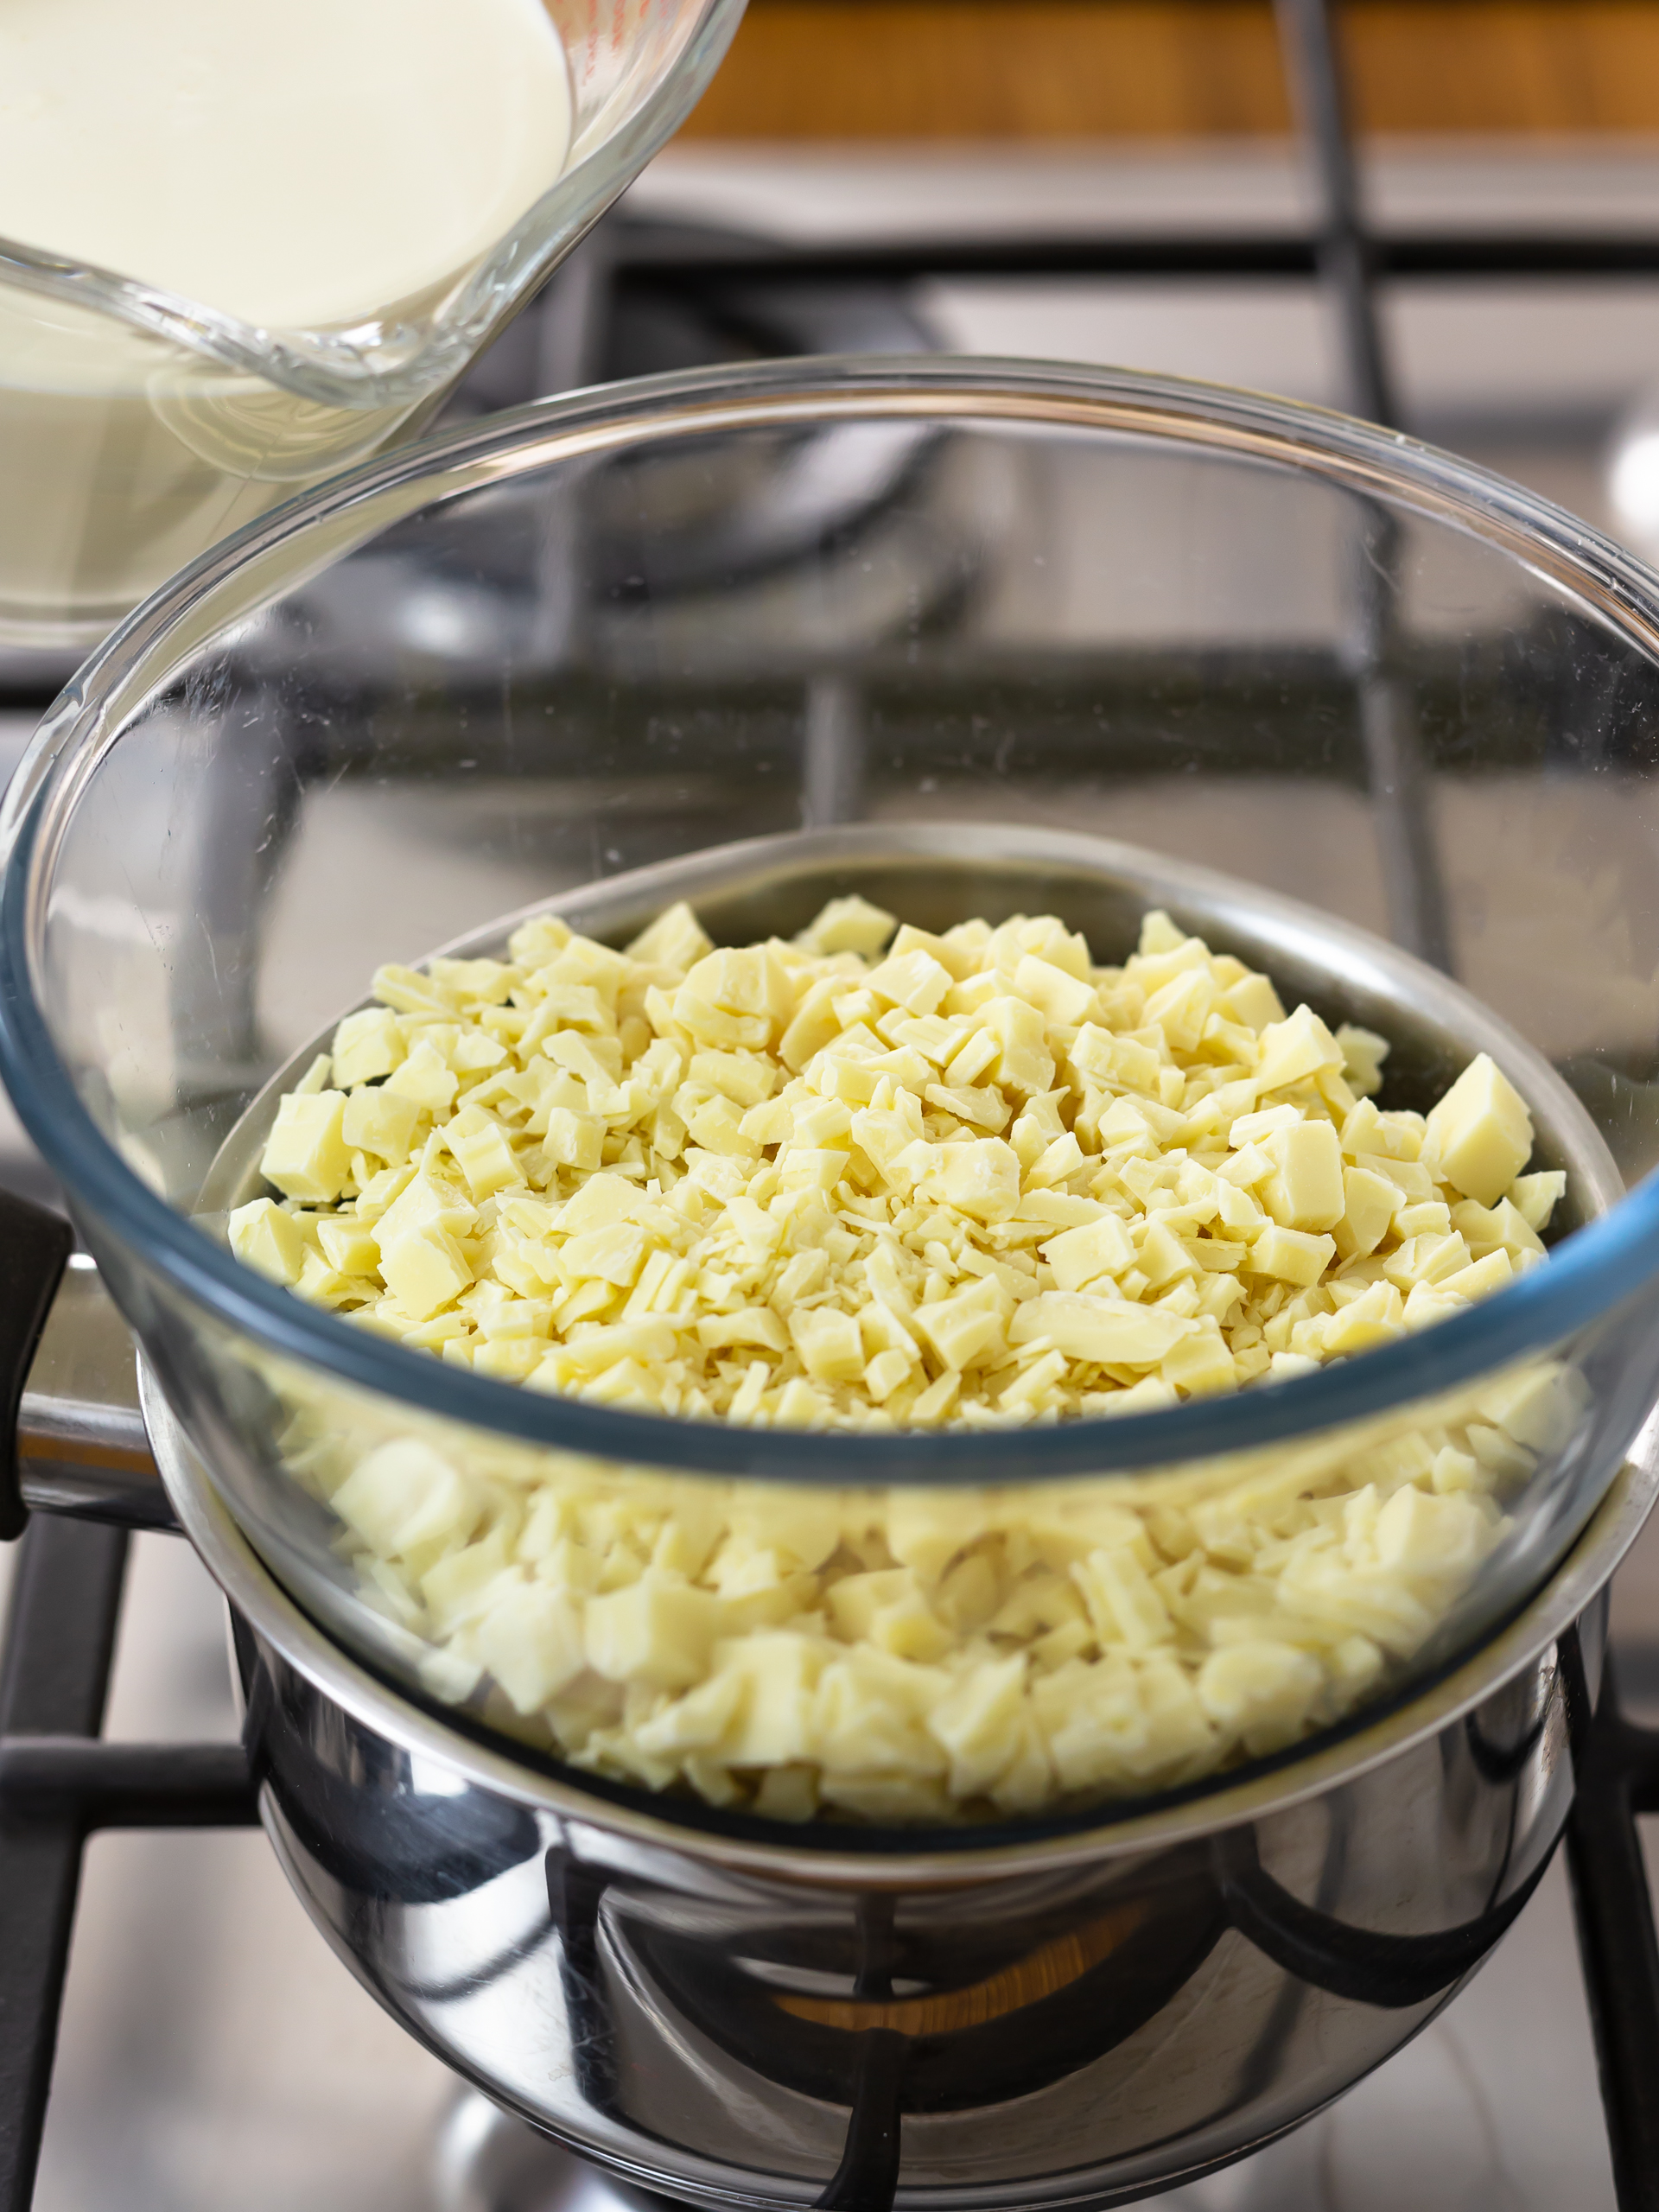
[(306, 1154), (844, 925), (1305, 1190), (877, 1179), (1535, 1197), (367, 1045), (1480, 1133), (263, 1236), (1363, 1054)]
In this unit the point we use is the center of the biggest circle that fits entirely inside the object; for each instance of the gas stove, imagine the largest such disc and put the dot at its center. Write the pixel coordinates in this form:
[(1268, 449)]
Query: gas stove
[(210, 2046)]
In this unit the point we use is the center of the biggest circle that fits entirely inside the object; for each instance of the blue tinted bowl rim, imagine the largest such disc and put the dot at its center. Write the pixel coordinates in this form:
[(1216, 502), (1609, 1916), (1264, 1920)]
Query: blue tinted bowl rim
[(1596, 1269)]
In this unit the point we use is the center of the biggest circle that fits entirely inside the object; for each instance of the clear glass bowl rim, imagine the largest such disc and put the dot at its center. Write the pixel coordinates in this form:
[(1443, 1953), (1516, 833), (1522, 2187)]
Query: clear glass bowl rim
[(1596, 1269), (362, 366)]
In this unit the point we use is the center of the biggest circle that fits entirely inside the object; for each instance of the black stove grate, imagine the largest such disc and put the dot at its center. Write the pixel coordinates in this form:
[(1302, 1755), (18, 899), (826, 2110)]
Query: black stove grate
[(59, 1782), (1618, 1780)]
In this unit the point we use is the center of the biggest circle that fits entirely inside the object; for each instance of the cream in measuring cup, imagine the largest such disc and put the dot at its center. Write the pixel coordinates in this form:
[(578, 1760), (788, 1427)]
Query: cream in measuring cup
[(306, 165)]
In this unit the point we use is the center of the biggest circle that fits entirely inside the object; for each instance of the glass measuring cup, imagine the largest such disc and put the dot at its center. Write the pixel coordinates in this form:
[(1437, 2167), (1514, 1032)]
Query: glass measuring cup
[(138, 426)]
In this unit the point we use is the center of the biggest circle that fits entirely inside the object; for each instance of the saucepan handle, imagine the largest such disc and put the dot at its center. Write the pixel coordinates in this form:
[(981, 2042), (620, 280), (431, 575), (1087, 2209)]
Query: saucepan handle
[(78, 1458), (36, 1245), (1363, 1964)]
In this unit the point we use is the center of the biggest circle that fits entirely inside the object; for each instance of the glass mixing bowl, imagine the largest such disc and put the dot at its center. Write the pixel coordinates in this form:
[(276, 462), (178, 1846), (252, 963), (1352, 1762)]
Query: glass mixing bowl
[(975, 637), (138, 426)]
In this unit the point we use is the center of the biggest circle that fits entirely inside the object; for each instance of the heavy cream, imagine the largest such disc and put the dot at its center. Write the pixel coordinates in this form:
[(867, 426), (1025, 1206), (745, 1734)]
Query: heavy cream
[(309, 163), (289, 162)]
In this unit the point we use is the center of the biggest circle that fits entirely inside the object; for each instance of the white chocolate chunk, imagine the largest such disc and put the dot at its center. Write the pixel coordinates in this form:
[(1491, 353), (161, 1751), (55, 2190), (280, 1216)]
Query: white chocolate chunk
[(425, 1269), (1078, 1257), (1061, 997), (1104, 1330), (675, 939), (848, 925), (1363, 1054), (964, 1329), (981, 1178), (1480, 1133), (1295, 1049), (403, 1499), (1305, 1190), (829, 1345), (1260, 1690), (661, 1630), (483, 1153), (348, 1245), (263, 1236), (1536, 1197), (426, 1078), (306, 1154), (367, 1045), (1370, 1205), (1291, 1254), (381, 1122), (913, 980), (531, 1638)]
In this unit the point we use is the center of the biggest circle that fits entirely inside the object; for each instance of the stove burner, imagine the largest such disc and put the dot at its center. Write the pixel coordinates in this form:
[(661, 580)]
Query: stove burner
[(1430, 2141), (489, 2161)]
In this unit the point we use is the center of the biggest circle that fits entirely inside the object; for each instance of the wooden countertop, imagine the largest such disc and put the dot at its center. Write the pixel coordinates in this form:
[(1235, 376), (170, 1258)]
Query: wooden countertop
[(1036, 69)]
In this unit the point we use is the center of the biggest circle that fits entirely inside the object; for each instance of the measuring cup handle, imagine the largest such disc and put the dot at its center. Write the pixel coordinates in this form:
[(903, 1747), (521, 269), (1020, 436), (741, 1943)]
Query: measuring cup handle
[(36, 1245)]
